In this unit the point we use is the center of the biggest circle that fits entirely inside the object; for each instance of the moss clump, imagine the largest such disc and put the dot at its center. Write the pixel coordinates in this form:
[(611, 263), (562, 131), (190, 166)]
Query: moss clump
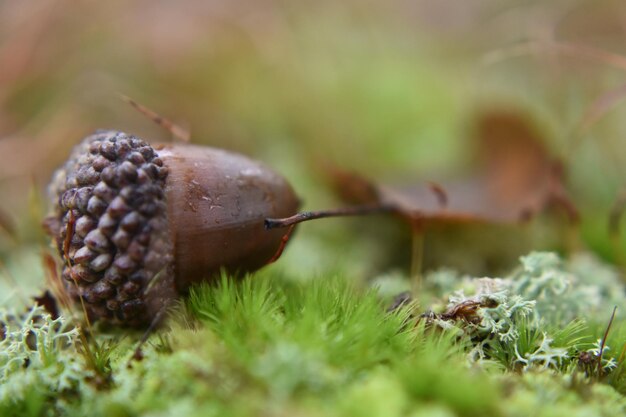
[(270, 345)]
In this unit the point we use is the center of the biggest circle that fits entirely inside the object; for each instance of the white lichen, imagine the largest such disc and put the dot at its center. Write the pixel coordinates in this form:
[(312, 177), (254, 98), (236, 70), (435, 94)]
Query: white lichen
[(544, 293), (34, 351), (563, 291), (543, 357)]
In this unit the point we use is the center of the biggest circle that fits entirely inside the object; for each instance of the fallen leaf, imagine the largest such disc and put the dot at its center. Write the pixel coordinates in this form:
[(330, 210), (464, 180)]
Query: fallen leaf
[(515, 178)]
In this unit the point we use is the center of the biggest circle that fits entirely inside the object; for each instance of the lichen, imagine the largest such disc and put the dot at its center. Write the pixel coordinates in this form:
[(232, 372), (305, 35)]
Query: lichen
[(535, 318), (38, 351), (566, 291)]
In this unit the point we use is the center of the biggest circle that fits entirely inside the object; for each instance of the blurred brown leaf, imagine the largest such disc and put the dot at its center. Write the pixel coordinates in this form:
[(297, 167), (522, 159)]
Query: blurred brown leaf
[(515, 179)]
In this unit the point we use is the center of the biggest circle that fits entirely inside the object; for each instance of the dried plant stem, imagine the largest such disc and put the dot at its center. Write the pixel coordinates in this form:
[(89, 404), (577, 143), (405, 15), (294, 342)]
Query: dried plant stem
[(417, 255), (367, 209), (158, 318), (606, 334), (177, 131), (283, 244)]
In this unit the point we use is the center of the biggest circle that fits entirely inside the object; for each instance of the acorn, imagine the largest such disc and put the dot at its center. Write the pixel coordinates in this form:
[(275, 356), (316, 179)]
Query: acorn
[(135, 225)]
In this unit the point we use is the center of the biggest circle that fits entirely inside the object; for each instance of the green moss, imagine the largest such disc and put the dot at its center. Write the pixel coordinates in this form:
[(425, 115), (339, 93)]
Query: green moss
[(274, 346)]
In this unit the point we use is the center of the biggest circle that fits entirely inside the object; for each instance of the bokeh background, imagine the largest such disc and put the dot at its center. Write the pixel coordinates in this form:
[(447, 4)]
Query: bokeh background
[(391, 89)]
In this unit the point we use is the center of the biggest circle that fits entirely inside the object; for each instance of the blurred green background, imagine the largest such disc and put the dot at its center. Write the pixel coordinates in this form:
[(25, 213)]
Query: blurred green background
[(391, 89)]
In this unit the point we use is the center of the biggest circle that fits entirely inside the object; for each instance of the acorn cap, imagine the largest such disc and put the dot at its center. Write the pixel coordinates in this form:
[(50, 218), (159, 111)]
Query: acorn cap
[(136, 225)]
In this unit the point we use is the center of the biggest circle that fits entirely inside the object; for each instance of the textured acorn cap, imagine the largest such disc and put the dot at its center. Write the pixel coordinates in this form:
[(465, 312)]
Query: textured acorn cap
[(136, 225), (109, 223)]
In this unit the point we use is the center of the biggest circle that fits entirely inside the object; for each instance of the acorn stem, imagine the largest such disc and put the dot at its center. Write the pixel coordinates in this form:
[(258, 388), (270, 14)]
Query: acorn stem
[(363, 210)]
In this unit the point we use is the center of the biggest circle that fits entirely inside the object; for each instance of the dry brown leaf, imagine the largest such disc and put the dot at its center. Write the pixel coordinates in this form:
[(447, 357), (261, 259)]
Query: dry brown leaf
[(515, 178)]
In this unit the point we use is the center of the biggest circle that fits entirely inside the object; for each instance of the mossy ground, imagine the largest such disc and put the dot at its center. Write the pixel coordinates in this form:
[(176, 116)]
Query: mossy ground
[(269, 345), (390, 89)]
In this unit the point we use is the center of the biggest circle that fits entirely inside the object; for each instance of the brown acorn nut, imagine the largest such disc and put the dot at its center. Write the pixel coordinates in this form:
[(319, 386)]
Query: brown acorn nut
[(136, 225)]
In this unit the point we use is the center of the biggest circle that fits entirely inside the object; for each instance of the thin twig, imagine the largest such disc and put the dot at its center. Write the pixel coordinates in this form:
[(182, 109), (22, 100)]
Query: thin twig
[(177, 131), (417, 253), (283, 244), (53, 282), (606, 334), (341, 212), (144, 338)]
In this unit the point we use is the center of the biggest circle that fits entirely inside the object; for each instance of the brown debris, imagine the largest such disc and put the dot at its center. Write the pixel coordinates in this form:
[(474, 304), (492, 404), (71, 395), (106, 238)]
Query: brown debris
[(466, 311), (399, 301), (49, 303)]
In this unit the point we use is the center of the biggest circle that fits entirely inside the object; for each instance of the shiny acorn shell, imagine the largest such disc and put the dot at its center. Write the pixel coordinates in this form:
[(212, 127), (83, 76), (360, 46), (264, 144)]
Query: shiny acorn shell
[(136, 225)]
